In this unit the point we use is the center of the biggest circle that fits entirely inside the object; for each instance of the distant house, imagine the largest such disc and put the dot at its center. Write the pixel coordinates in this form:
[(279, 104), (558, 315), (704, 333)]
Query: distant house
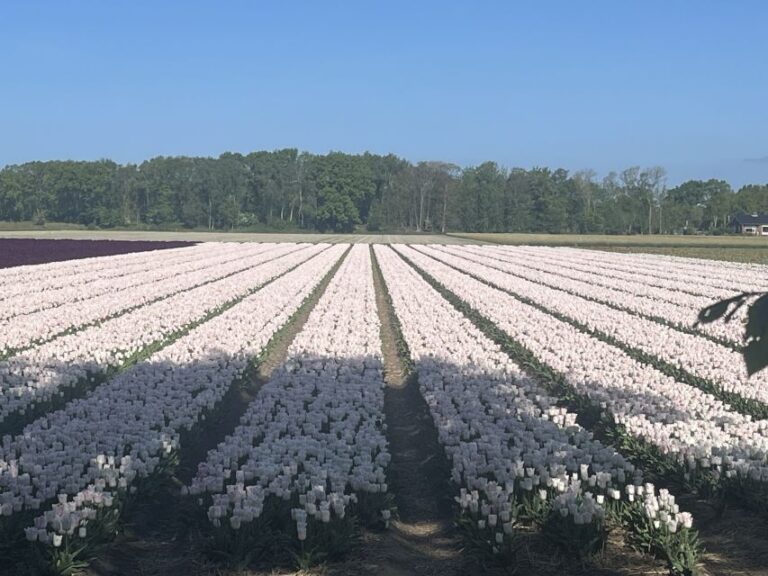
[(756, 224)]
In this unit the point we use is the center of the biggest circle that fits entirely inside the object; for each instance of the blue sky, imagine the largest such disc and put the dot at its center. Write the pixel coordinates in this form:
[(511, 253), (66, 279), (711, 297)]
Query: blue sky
[(601, 85)]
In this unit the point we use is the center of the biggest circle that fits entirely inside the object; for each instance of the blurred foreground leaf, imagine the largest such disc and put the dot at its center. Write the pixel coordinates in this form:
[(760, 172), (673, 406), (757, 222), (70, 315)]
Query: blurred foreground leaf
[(756, 350), (756, 335)]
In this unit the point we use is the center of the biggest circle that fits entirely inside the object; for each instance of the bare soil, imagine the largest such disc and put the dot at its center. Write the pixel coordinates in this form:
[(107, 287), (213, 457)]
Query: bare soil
[(735, 540), (422, 539)]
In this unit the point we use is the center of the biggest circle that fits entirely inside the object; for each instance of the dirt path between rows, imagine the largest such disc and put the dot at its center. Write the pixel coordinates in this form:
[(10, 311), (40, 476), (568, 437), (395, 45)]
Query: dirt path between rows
[(421, 539)]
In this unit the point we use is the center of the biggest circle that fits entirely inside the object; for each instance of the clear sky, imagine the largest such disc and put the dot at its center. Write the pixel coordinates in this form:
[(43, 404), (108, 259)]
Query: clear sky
[(574, 84)]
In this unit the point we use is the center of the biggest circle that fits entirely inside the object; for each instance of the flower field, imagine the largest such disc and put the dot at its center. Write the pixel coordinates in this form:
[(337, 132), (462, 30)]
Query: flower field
[(573, 398), (29, 251)]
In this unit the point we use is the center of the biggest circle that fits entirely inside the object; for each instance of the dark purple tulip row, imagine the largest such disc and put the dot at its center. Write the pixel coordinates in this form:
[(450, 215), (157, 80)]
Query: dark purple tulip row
[(22, 251)]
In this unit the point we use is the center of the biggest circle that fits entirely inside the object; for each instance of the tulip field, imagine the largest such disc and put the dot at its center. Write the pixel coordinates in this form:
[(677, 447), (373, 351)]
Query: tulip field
[(571, 395)]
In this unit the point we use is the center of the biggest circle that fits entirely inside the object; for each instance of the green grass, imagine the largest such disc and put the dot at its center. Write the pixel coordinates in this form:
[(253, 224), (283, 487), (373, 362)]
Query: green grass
[(608, 240), (32, 227), (751, 249)]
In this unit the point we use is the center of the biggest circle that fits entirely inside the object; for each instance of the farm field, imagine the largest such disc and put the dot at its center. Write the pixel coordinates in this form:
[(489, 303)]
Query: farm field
[(378, 406), (147, 236), (747, 249), (725, 248)]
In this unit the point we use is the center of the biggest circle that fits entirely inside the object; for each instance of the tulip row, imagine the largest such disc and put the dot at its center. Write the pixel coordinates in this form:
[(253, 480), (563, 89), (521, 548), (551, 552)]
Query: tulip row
[(25, 331), (314, 436), (694, 273), (678, 292), (89, 454), (513, 451), (708, 364), (708, 439), (16, 280), (666, 277), (674, 295), (36, 375), (619, 295), (33, 296)]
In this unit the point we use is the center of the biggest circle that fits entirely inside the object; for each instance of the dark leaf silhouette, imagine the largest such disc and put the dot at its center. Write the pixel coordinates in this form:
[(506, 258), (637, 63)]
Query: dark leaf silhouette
[(756, 350), (719, 309), (756, 355), (756, 336)]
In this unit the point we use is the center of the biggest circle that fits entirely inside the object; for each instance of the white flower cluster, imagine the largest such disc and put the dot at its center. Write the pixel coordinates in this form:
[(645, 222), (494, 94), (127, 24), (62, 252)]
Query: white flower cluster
[(39, 373), (505, 437), (699, 356), (25, 330), (314, 435), (39, 291), (682, 421), (677, 308), (70, 517), (581, 505), (660, 507), (123, 429)]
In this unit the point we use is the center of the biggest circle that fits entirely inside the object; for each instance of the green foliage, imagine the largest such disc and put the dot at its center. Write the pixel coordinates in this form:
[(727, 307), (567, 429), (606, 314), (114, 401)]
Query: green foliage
[(336, 212), (375, 218), (272, 536), (288, 189), (680, 549), (580, 540)]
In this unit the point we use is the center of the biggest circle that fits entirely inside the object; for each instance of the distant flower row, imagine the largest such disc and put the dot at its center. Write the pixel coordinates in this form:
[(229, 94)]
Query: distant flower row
[(695, 274), (56, 275), (39, 291), (40, 373), (675, 305), (23, 254), (622, 278), (22, 331)]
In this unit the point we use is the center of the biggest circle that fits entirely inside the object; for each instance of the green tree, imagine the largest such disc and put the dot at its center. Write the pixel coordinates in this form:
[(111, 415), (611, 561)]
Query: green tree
[(336, 212)]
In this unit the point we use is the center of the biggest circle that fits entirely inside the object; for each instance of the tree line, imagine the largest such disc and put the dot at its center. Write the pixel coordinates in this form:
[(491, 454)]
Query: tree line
[(287, 189)]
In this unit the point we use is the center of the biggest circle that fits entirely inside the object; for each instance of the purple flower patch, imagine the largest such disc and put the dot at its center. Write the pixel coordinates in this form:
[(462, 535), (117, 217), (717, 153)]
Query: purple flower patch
[(23, 251)]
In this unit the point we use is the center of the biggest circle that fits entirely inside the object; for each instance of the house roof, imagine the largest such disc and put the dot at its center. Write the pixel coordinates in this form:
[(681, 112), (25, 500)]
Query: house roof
[(751, 219)]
